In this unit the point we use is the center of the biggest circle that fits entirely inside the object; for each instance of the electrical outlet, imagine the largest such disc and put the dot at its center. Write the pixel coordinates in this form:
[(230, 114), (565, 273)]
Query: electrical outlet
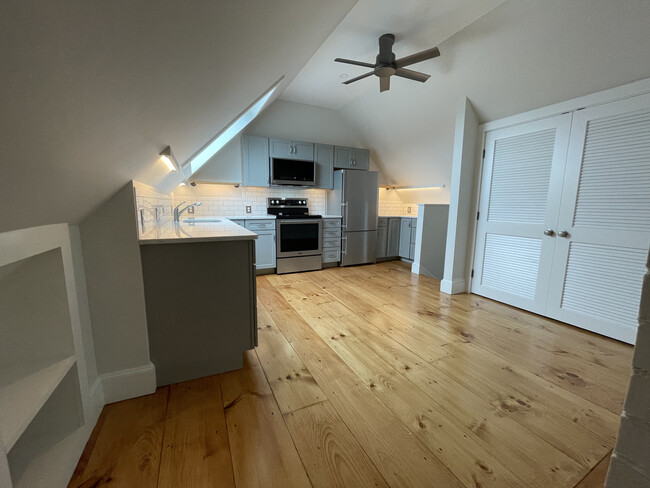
[(190, 210), (408, 210), (248, 209)]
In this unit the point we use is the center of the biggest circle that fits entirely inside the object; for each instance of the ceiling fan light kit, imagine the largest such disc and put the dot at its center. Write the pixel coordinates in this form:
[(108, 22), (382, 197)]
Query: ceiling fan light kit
[(386, 65)]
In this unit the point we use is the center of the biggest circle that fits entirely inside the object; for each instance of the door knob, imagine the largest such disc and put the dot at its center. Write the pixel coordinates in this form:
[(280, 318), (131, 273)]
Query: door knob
[(563, 233), (549, 232)]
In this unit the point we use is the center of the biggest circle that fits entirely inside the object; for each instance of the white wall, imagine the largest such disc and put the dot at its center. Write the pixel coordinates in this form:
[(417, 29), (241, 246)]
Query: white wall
[(93, 90), (116, 297), (630, 463), (522, 55)]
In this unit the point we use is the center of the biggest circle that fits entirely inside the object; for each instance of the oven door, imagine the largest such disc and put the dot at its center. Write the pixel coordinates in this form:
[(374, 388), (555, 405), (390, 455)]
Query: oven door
[(299, 237)]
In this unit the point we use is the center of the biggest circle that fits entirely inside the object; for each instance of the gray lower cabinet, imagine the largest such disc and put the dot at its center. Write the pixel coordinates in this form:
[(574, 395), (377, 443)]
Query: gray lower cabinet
[(388, 237), (255, 160), (351, 158), (200, 300), (407, 231), (392, 247), (324, 159), (265, 246), (404, 238), (382, 238), (331, 240)]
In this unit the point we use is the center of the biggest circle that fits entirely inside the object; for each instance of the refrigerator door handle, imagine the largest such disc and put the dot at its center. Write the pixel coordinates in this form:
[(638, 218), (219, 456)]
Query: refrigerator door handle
[(344, 207), (344, 249)]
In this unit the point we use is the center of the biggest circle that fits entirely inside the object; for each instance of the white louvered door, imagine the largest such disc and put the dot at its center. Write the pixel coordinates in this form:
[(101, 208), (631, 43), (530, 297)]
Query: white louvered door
[(598, 265), (520, 195)]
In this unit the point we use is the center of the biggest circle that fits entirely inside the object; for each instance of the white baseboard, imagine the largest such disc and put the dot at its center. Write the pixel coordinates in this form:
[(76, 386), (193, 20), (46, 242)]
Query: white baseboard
[(129, 383), (453, 287), (96, 394)]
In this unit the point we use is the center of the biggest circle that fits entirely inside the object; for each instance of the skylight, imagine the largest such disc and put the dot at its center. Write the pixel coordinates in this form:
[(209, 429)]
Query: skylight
[(245, 118)]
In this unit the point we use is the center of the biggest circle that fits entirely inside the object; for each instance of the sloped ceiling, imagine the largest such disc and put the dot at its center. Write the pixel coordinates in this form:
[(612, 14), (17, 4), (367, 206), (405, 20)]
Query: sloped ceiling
[(92, 90), (521, 55)]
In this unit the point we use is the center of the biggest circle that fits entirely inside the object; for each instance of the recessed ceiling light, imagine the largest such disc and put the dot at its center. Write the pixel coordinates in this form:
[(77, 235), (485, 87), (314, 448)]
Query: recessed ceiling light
[(343, 76)]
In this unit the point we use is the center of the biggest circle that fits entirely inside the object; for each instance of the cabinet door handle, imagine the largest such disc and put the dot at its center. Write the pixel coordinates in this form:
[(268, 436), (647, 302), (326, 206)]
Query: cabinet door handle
[(549, 232), (563, 233)]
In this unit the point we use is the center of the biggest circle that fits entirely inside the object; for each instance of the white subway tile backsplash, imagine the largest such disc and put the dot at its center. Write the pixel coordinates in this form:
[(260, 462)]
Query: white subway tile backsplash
[(223, 201)]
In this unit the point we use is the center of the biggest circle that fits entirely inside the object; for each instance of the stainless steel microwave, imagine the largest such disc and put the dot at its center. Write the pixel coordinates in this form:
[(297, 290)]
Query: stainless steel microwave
[(293, 172)]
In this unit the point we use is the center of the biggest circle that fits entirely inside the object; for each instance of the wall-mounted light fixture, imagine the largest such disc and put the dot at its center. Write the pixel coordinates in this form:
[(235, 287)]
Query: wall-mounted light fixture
[(432, 187), (168, 158)]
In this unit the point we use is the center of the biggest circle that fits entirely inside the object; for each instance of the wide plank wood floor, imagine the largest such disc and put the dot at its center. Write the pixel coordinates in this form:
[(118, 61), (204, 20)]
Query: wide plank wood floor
[(369, 376)]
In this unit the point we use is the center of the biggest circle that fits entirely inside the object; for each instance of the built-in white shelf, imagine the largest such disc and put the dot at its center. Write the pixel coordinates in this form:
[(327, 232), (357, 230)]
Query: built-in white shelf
[(21, 400)]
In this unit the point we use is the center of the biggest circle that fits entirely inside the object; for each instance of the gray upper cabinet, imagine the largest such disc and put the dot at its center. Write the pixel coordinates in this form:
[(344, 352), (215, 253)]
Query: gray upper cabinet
[(324, 158), (279, 148), (351, 158), (255, 160)]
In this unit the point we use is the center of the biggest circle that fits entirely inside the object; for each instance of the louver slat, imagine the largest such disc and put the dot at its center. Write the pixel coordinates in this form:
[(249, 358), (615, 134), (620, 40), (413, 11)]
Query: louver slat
[(604, 282), (521, 171), (511, 264), (614, 187)]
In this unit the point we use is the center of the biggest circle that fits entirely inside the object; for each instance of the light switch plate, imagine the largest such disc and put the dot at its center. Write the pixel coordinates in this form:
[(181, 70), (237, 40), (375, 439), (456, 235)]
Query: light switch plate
[(190, 210), (248, 209), (408, 210)]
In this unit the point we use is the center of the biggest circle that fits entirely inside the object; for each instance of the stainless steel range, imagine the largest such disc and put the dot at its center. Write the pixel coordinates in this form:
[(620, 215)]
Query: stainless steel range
[(298, 235)]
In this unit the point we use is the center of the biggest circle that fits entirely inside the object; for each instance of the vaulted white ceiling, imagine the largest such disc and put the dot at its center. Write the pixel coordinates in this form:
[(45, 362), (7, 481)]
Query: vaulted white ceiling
[(92, 90), (521, 55), (416, 24)]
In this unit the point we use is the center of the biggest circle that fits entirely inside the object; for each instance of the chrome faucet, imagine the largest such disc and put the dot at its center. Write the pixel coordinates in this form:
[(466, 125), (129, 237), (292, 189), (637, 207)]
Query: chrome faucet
[(177, 212)]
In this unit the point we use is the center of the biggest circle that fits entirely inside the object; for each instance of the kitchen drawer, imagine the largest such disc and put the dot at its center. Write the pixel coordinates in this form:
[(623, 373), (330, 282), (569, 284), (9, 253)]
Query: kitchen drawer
[(260, 225), (382, 222), (329, 233), (331, 255), (332, 242), (239, 222), (331, 223)]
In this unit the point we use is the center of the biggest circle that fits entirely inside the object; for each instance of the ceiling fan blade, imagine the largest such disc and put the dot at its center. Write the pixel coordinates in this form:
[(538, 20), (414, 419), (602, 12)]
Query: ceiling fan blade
[(417, 57), (386, 55), (412, 75), (359, 78), (384, 83), (357, 63)]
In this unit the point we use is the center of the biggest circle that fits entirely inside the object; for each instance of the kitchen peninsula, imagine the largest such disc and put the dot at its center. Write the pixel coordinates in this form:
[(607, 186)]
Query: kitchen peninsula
[(200, 296)]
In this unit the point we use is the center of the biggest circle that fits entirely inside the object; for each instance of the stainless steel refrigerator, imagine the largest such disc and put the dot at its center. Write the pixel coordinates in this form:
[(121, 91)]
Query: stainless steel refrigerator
[(355, 197)]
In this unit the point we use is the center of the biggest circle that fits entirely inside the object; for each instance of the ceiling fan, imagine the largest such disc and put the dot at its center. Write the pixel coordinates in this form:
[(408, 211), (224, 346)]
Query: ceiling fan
[(386, 65)]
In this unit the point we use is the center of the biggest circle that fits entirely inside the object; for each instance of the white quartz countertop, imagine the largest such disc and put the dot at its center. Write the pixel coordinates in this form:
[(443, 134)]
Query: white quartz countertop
[(332, 216), (201, 230), (251, 217), (400, 216)]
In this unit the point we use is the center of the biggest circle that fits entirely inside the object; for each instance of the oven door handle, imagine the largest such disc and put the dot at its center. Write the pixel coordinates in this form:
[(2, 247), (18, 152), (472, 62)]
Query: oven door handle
[(344, 249)]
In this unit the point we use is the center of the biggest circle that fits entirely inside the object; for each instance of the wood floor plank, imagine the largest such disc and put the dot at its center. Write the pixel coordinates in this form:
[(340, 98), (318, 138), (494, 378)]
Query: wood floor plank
[(127, 450), (293, 385), (401, 458), (503, 383), (331, 454), (364, 355), (370, 376), (196, 451), (263, 453), (596, 477)]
